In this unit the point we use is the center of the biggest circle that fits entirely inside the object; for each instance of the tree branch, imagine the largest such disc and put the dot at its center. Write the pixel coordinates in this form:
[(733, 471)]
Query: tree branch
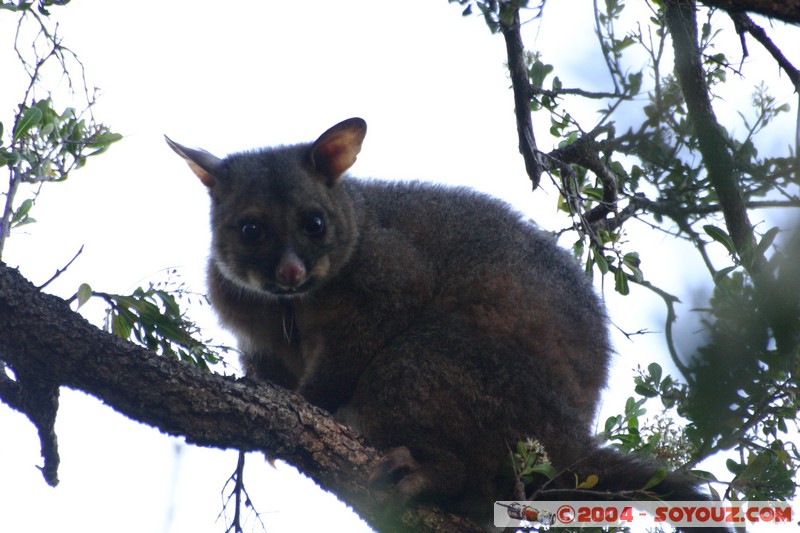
[(41, 337), (744, 24), (61, 270), (554, 93), (775, 9), (522, 93), (36, 396), (682, 23)]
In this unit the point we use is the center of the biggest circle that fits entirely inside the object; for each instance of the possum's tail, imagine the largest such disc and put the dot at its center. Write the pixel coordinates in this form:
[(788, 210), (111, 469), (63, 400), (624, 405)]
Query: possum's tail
[(628, 477), (619, 473)]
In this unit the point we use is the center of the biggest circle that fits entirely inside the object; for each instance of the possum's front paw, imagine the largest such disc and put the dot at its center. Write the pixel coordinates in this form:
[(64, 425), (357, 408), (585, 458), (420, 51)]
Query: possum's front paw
[(397, 478)]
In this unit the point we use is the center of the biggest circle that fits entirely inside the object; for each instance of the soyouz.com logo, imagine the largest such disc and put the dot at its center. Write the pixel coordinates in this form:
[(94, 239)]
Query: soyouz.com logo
[(642, 513)]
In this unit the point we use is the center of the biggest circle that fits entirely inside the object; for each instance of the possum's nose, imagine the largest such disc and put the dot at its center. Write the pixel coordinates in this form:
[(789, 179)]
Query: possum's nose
[(291, 272)]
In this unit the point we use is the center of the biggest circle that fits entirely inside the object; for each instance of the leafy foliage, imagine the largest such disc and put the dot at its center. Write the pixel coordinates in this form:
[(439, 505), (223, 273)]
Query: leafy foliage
[(153, 318), (45, 144), (529, 460), (738, 390), (494, 12)]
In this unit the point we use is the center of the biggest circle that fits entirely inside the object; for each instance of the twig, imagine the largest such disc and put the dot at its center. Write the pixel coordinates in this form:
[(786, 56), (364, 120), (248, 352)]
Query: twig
[(630, 334), (241, 498), (61, 270), (579, 92), (744, 23), (670, 301), (604, 47)]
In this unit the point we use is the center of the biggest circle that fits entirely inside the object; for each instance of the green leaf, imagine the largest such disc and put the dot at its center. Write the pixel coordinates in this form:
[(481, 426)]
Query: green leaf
[(721, 237), (84, 293), (538, 72), (21, 216), (723, 273), (733, 467), (529, 461), (621, 282), (704, 475), (30, 119), (25, 221), (22, 212), (120, 326), (10, 6), (522, 449), (635, 82), (646, 390), (569, 139), (655, 371), (657, 478), (577, 248), (595, 193), (601, 261), (631, 261), (104, 139), (546, 469), (633, 408), (611, 421), (766, 241)]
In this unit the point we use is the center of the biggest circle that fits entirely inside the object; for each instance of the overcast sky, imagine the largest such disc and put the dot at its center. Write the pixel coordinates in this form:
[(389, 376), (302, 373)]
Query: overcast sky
[(231, 76)]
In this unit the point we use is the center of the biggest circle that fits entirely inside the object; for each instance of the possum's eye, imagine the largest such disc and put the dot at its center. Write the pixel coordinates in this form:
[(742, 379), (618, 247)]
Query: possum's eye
[(313, 225), (251, 232)]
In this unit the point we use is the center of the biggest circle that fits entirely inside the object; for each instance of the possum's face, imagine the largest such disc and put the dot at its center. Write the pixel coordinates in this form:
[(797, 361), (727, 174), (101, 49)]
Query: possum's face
[(281, 222), (277, 227)]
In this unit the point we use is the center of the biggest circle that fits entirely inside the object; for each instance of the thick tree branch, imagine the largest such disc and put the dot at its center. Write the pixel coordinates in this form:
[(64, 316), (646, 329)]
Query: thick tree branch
[(39, 397), (522, 93), (682, 23), (42, 339), (36, 396), (775, 9)]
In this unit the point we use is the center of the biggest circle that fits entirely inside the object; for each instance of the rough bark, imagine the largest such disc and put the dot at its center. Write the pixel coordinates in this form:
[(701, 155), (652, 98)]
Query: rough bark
[(47, 345)]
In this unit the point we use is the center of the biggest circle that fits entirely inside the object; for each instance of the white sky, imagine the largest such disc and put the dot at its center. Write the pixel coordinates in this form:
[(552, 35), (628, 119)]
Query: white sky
[(231, 76)]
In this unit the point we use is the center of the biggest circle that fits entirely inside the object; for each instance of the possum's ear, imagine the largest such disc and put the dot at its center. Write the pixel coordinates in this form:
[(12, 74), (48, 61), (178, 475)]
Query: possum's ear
[(336, 150), (201, 162)]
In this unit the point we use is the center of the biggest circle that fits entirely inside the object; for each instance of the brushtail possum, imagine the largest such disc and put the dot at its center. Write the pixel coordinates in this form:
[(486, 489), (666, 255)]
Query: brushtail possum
[(434, 320)]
